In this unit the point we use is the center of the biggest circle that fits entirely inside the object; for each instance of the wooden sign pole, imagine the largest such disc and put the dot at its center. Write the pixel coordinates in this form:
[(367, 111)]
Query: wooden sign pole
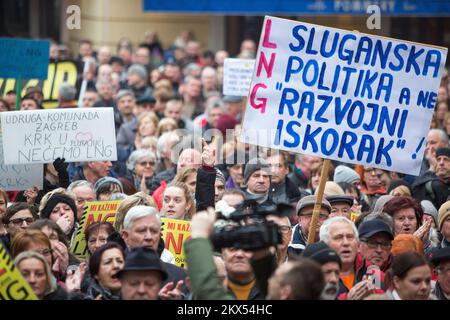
[(318, 204)]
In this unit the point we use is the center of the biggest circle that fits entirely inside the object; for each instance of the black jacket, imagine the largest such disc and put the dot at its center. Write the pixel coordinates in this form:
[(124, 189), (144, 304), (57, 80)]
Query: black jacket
[(430, 187), (166, 175), (205, 192)]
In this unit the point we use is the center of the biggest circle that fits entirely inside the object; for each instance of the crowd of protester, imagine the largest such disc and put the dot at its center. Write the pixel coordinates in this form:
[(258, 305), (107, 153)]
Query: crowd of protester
[(380, 234)]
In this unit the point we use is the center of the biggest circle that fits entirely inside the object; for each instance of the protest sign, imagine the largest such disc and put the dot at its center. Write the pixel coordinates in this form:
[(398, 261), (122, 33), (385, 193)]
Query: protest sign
[(175, 233), (12, 284), (342, 95), (237, 75), (58, 72), (96, 211), (44, 135), (24, 58), (19, 177)]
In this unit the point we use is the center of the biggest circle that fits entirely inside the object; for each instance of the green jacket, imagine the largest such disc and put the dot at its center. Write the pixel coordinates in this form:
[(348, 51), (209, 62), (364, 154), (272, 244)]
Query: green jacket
[(202, 271)]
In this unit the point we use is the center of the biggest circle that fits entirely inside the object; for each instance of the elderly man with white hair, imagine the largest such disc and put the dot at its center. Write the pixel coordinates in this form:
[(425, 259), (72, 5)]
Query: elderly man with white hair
[(142, 228), (341, 235)]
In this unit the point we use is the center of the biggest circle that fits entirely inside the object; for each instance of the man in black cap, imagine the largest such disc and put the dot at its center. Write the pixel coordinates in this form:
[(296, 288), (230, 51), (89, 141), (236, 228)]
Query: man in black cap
[(330, 263), (300, 231), (142, 276), (375, 238), (441, 260), (341, 205), (257, 178), (435, 186)]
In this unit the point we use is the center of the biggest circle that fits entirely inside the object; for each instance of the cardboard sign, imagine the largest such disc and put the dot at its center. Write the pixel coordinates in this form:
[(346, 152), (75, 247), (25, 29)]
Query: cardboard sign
[(44, 135), (237, 75), (342, 95), (13, 286), (19, 177), (24, 58), (174, 233), (96, 211), (58, 72)]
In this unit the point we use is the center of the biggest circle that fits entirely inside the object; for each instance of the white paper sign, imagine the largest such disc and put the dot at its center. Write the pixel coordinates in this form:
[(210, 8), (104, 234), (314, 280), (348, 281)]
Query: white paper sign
[(342, 95), (45, 135), (19, 177), (237, 75)]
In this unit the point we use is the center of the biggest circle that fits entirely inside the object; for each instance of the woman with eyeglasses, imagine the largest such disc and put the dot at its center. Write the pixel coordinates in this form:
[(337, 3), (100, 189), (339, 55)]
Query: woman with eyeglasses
[(141, 169), (17, 218), (36, 240)]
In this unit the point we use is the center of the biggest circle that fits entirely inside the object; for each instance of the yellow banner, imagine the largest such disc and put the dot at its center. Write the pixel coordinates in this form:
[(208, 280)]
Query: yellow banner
[(13, 286), (58, 72), (174, 233), (96, 211)]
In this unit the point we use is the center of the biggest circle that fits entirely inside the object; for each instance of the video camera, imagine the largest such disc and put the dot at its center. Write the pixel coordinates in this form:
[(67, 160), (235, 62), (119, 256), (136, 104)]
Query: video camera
[(247, 227)]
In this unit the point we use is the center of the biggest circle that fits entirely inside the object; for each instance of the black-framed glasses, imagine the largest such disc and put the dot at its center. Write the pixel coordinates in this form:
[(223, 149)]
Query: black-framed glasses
[(46, 252), (19, 221), (372, 244)]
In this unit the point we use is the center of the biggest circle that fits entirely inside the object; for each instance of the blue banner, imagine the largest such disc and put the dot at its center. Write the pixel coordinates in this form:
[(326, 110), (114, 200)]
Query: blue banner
[(24, 58), (301, 7)]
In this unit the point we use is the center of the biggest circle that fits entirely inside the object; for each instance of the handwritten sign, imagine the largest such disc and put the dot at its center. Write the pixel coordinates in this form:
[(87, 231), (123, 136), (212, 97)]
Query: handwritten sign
[(24, 58), (13, 286), (342, 95), (237, 75), (174, 233), (96, 211), (19, 177), (74, 134)]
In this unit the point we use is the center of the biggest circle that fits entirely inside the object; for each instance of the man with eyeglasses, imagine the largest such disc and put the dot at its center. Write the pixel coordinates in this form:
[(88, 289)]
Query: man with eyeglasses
[(300, 231), (284, 226), (17, 218), (441, 260)]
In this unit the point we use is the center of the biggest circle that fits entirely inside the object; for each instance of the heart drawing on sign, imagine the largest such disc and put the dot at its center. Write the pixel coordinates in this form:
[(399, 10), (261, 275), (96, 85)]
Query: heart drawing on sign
[(84, 136)]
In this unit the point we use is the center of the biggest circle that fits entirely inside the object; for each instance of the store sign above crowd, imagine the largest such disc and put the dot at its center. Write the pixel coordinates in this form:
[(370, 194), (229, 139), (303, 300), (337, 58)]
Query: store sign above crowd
[(342, 95)]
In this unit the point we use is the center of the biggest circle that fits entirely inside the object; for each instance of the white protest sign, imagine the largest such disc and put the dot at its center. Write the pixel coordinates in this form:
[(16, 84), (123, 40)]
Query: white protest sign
[(44, 135), (19, 177), (342, 95), (237, 75)]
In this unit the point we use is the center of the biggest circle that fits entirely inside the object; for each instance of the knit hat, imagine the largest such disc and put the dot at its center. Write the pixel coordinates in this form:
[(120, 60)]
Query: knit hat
[(332, 189), (256, 164), (225, 122), (397, 183), (102, 181), (429, 209), (310, 201), (380, 202), (321, 253), (139, 70), (406, 243), (443, 152), (444, 212), (345, 174), (220, 176), (53, 201)]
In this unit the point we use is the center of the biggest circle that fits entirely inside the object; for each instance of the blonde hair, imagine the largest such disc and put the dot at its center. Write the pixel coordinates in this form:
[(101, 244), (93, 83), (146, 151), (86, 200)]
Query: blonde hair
[(184, 174), (150, 143), (147, 115), (49, 194), (50, 285), (187, 194), (164, 126), (403, 190), (137, 199)]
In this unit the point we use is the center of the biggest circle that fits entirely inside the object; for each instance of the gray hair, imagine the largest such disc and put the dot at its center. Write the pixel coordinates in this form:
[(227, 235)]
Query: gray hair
[(139, 212), (136, 155), (213, 104), (441, 133), (102, 82), (324, 232), (80, 183), (124, 92), (67, 92), (164, 140), (382, 216), (50, 285)]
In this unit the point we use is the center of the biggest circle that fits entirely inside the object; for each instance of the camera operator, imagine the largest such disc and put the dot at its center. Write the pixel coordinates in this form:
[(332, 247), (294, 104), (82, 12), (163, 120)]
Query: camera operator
[(301, 279)]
